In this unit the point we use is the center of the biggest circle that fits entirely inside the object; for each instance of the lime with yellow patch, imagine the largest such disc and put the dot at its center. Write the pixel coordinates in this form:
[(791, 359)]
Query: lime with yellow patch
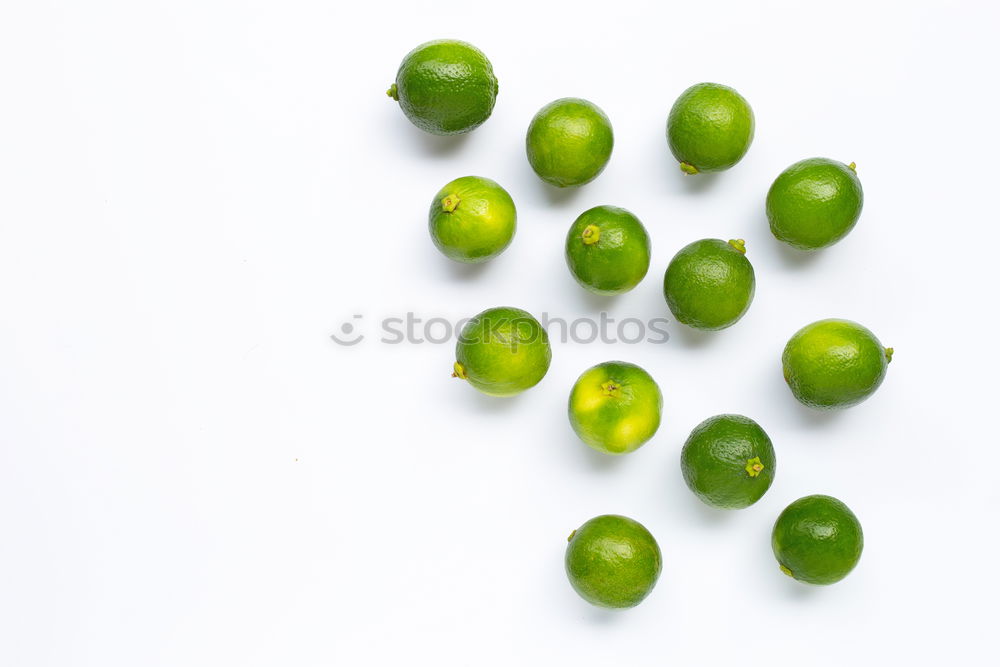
[(502, 352), (607, 250), (728, 461), (834, 363), (569, 142), (613, 561), (615, 407), (472, 219)]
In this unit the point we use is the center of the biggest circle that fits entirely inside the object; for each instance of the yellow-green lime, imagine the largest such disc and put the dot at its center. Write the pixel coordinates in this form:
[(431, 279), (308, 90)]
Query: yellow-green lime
[(710, 128), (607, 250), (613, 561), (615, 407), (502, 352), (834, 364), (814, 203), (709, 284), (472, 219), (728, 461), (817, 540), (445, 87), (569, 142)]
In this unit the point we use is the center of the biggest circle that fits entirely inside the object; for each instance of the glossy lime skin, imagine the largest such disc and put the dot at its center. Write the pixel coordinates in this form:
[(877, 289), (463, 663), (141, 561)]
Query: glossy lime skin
[(618, 260), (613, 561), (503, 351), (445, 87), (472, 219), (817, 540), (615, 407), (728, 461), (710, 128), (834, 363), (569, 142), (709, 284), (814, 203)]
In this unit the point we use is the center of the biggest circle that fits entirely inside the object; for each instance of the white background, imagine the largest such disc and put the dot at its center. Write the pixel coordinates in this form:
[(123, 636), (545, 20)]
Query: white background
[(195, 194)]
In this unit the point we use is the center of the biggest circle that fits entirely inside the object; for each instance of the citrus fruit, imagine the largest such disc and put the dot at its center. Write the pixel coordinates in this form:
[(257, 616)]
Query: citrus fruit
[(710, 128), (834, 364), (817, 539), (502, 352), (728, 461), (709, 284), (472, 219), (814, 203), (569, 142), (613, 561), (607, 250), (445, 87), (615, 407)]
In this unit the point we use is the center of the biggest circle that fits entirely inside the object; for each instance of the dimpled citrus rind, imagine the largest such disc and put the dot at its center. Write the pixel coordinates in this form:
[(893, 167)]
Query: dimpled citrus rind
[(613, 561), (617, 260), (833, 364), (502, 352), (472, 219), (814, 203), (817, 540), (446, 87), (615, 407), (569, 142), (709, 285), (728, 461), (710, 128)]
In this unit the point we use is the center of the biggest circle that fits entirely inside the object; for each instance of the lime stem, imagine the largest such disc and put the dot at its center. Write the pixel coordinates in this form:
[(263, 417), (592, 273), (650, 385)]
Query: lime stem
[(393, 92), (784, 569), (739, 244), (591, 234), (754, 466), (853, 167), (612, 388), (689, 168), (450, 203), (459, 372), (888, 355), (571, 536)]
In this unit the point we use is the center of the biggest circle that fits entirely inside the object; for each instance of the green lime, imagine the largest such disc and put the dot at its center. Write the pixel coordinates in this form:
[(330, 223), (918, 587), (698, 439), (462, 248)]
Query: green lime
[(615, 407), (502, 352), (817, 539), (834, 364), (709, 284), (445, 87), (728, 461), (569, 142), (607, 250), (472, 219), (613, 561), (710, 128), (814, 203)]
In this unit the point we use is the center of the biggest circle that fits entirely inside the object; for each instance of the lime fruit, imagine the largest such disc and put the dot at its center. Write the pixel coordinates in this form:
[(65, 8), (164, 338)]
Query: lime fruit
[(613, 561), (615, 407), (814, 203), (710, 128), (817, 539), (502, 352), (728, 461), (607, 250), (472, 219), (834, 364), (569, 142), (445, 87), (709, 284)]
